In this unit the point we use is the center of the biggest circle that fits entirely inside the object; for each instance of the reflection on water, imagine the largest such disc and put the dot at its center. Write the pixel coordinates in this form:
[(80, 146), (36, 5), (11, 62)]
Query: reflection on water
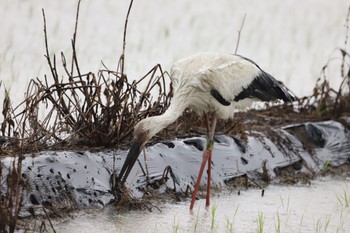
[(320, 207)]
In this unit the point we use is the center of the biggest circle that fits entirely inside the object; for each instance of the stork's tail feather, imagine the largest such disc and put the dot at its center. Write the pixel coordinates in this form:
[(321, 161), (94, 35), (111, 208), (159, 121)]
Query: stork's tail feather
[(289, 95)]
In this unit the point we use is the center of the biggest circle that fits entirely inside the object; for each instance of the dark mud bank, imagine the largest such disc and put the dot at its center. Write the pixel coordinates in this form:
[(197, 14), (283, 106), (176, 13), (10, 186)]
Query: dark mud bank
[(82, 179)]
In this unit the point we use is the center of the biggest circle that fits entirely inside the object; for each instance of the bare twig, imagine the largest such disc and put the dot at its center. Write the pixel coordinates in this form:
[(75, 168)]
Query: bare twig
[(47, 47), (74, 55), (239, 33), (48, 218), (122, 57)]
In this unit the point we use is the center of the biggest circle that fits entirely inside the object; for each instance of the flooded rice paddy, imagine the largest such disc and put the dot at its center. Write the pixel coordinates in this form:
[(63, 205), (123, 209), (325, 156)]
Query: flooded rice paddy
[(322, 206), (292, 40), (162, 32)]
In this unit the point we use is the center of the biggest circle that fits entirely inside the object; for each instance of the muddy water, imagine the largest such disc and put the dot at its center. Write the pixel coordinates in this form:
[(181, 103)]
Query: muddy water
[(318, 207)]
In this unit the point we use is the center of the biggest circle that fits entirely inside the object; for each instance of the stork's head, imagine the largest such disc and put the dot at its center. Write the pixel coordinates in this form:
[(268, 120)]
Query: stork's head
[(143, 132)]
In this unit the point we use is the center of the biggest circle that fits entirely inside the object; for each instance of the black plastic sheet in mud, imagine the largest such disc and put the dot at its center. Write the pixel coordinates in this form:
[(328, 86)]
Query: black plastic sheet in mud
[(82, 179)]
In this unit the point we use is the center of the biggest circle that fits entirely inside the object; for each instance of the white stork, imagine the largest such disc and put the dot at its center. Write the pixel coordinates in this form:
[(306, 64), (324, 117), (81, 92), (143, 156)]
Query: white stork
[(208, 83)]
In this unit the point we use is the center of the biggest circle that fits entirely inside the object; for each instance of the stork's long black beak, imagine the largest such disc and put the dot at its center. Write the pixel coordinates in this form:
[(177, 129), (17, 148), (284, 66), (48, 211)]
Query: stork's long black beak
[(130, 160)]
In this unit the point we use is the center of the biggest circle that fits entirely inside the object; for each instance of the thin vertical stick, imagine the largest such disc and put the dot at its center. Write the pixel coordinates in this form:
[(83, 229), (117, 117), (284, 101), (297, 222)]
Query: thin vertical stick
[(74, 55), (122, 57), (47, 48), (239, 33), (146, 166)]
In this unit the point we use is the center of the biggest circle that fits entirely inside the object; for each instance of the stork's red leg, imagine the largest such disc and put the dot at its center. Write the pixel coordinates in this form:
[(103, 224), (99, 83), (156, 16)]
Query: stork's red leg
[(207, 203), (206, 155), (210, 147)]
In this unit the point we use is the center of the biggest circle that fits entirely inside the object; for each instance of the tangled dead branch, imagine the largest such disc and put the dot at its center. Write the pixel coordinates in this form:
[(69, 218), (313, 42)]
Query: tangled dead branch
[(83, 109)]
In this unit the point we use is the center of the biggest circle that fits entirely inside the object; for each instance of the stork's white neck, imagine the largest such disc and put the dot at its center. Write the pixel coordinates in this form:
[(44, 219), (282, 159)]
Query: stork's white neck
[(152, 125)]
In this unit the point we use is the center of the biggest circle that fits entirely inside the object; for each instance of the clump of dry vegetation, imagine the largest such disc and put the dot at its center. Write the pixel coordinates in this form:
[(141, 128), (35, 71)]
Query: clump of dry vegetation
[(83, 109)]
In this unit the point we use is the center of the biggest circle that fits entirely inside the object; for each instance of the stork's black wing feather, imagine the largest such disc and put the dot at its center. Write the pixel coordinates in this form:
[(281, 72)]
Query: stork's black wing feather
[(265, 88), (219, 97)]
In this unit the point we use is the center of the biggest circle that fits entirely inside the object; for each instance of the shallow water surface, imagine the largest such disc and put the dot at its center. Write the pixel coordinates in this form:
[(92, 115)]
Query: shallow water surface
[(320, 207)]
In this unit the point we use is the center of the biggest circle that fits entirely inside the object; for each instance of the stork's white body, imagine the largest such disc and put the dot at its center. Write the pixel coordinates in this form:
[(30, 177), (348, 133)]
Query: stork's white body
[(208, 82), (193, 78)]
